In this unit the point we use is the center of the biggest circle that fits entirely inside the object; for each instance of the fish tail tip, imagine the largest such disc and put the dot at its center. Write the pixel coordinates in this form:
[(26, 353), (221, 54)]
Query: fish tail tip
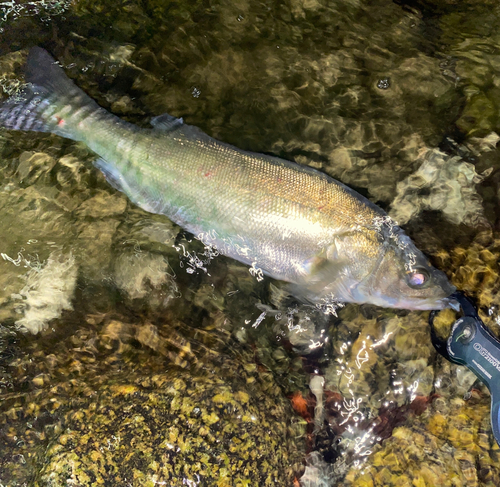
[(44, 71), (38, 55), (36, 105)]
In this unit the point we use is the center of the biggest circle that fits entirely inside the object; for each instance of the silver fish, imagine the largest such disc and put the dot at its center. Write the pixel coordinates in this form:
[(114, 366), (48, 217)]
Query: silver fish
[(286, 220)]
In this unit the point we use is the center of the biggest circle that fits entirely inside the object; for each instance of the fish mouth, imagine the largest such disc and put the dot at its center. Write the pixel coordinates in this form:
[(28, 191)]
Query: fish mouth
[(451, 302), (448, 302), (433, 303)]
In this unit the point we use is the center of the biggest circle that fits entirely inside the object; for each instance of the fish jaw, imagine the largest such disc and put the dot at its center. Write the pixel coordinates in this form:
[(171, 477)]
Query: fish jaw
[(429, 304), (360, 295)]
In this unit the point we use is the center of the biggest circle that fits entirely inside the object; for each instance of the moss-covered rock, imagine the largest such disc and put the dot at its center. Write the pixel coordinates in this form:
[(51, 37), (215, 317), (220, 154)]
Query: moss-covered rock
[(90, 416)]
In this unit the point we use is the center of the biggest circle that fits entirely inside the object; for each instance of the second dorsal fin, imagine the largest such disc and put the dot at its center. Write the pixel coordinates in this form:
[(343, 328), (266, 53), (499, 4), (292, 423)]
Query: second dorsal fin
[(166, 122)]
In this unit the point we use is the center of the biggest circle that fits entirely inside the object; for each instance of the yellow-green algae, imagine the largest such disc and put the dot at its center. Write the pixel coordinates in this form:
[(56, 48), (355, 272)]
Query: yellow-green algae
[(108, 412), (448, 445)]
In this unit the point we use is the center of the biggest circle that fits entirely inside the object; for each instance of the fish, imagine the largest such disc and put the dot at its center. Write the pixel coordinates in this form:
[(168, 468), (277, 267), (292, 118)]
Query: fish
[(285, 220)]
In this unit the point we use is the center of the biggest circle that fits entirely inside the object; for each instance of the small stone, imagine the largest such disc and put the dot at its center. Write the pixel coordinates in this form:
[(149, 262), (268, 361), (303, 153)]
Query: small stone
[(137, 273)]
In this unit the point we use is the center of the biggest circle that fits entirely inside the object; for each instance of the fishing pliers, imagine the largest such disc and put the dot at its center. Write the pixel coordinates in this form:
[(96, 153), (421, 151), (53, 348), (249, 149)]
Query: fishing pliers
[(471, 344)]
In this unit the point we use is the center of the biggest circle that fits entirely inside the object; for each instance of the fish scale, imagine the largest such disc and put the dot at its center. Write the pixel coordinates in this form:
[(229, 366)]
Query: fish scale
[(292, 222)]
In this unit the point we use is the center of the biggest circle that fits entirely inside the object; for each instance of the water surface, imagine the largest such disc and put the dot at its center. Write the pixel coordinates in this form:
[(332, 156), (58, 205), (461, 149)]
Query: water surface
[(129, 355)]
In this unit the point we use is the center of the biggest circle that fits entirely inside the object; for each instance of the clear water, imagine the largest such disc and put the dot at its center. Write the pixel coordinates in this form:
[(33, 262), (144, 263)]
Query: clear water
[(157, 363)]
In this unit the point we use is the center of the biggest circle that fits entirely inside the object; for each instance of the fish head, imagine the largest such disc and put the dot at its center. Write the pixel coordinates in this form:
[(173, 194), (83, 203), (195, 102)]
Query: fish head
[(402, 277)]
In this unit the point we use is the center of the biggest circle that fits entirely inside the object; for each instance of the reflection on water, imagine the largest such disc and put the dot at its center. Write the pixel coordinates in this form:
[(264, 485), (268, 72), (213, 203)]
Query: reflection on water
[(158, 362)]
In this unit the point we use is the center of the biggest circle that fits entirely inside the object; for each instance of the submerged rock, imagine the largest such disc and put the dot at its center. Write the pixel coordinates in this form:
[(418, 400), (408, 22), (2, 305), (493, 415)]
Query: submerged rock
[(470, 42), (448, 445), (37, 267), (476, 271), (33, 164), (103, 205), (179, 428), (94, 248), (48, 291), (89, 416), (139, 273), (441, 183)]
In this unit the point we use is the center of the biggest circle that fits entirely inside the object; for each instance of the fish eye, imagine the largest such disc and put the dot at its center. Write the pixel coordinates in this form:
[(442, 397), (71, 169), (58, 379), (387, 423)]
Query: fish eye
[(418, 278)]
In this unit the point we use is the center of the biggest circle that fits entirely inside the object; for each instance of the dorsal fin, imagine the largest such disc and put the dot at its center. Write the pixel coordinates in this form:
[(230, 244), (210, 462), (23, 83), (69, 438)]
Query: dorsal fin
[(166, 122)]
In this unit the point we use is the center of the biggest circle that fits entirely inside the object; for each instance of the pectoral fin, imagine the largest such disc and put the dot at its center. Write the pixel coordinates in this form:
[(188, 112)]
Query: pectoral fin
[(324, 263), (320, 271)]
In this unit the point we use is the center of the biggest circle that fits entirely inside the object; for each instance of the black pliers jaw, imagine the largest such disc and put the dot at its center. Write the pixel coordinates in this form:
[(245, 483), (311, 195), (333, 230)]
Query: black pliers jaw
[(471, 344)]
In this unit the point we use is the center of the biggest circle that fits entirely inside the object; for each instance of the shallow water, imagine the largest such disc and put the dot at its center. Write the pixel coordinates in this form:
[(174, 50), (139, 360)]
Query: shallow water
[(158, 363)]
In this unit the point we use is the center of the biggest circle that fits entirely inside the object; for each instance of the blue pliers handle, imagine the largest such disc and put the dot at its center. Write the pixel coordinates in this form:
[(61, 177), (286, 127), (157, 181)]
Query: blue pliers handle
[(471, 344)]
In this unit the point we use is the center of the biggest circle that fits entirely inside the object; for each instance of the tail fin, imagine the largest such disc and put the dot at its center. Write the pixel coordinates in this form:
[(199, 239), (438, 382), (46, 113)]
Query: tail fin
[(49, 102)]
